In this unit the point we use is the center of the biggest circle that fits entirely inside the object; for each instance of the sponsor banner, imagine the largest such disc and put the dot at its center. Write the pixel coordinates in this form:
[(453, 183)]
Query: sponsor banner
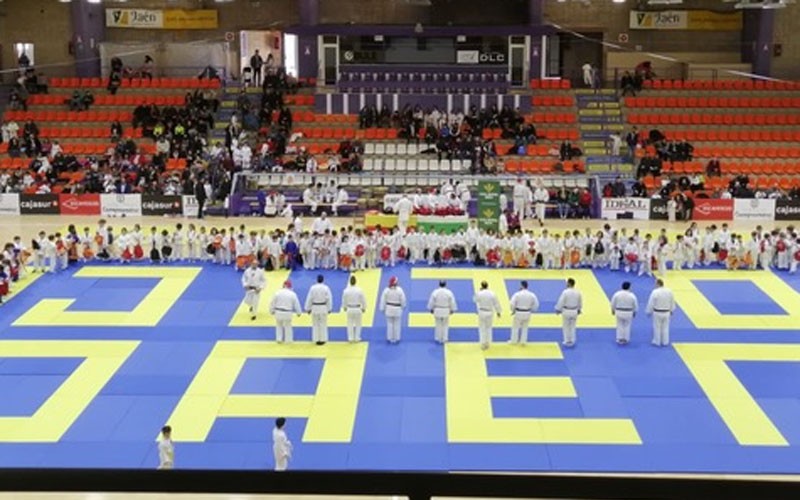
[(658, 209), (120, 205), (712, 209), (488, 205), (189, 206), (691, 20), (784, 209), (467, 56), (625, 208), (161, 205), (79, 204), (168, 19), (38, 204), (753, 209), (9, 204)]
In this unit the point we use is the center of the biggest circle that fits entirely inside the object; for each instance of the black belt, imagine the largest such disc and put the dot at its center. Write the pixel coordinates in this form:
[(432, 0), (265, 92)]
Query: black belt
[(570, 308), (662, 310), (395, 304), (319, 303), (624, 309), (522, 310)]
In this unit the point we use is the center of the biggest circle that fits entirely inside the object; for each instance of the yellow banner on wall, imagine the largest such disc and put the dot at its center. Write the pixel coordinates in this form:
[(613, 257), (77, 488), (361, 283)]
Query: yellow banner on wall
[(168, 19), (689, 20)]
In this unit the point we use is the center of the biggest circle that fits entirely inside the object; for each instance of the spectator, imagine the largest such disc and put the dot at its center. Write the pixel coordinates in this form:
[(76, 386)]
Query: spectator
[(618, 188), (628, 84), (713, 168), (146, 71)]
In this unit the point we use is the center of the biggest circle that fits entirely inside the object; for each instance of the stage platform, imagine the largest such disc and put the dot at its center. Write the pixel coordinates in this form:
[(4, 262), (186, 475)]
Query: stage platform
[(95, 359)]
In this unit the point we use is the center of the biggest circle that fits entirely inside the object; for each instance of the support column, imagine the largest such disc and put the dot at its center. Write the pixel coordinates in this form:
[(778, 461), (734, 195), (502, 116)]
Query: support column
[(757, 34), (308, 59), (88, 30), (309, 12), (535, 12)]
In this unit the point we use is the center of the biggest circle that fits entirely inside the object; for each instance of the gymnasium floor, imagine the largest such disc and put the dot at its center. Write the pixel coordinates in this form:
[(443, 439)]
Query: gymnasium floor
[(94, 360)]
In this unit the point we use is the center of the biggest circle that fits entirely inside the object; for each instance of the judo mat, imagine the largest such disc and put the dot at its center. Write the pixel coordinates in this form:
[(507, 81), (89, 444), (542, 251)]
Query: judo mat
[(95, 359)]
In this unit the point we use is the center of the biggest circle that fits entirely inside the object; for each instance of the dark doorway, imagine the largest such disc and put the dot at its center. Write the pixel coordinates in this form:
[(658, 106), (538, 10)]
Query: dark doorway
[(576, 51)]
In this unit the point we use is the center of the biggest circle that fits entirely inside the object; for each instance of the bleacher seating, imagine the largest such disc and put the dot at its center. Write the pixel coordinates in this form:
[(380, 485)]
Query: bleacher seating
[(751, 126), (134, 83)]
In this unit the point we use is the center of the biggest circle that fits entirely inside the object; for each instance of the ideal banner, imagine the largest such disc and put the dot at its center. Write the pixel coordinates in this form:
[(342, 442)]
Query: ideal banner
[(625, 208), (79, 204), (189, 205), (9, 204), (38, 204), (753, 209), (712, 209), (168, 19), (161, 205), (784, 209), (121, 205), (690, 20), (489, 205)]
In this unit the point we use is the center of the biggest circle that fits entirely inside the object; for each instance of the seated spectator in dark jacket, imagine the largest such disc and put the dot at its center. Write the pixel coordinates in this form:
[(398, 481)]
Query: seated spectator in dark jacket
[(638, 190), (713, 169), (619, 188), (627, 84)]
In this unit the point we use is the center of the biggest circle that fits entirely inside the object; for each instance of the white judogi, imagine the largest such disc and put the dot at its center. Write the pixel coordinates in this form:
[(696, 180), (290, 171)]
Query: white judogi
[(523, 304), (661, 305), (520, 198), (403, 208), (442, 303), (393, 301), (284, 304), (319, 302), (540, 198), (624, 306), (569, 305), (354, 304), (253, 281), (166, 454), (281, 449), (488, 305)]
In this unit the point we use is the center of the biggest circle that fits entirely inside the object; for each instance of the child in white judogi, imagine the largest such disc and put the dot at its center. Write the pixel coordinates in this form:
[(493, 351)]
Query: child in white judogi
[(661, 253), (765, 249), (39, 245), (678, 252), (177, 242), (191, 243), (203, 240), (614, 254), (794, 251), (124, 249), (631, 255), (645, 256), (782, 249)]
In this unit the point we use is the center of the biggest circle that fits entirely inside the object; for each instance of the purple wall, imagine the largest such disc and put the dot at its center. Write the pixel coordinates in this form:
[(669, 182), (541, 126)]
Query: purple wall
[(757, 32), (89, 28), (309, 12), (308, 60), (351, 103), (535, 12), (431, 31)]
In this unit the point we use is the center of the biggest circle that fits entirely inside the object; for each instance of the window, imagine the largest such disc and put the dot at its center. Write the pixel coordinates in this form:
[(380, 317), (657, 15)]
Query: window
[(24, 48)]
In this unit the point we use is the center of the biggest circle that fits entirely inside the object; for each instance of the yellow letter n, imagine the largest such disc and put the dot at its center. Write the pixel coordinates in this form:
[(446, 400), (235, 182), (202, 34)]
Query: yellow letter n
[(331, 410)]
